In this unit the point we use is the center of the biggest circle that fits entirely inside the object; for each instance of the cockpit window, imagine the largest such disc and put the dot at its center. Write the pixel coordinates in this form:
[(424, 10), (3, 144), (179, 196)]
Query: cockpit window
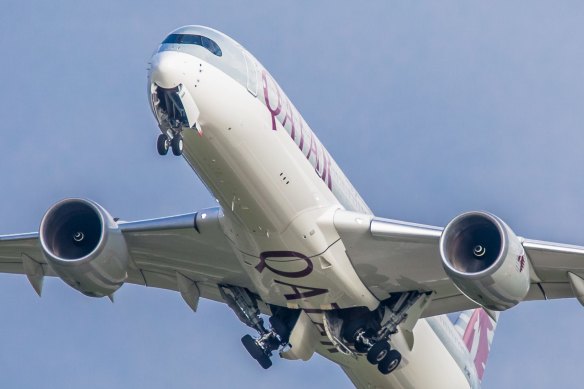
[(199, 40)]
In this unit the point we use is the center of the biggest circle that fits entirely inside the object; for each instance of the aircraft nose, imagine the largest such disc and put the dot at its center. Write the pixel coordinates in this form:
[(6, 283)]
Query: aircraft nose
[(167, 69)]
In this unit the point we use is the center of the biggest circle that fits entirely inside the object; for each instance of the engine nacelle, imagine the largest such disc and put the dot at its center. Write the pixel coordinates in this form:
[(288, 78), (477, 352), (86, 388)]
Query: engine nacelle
[(84, 246), (486, 260)]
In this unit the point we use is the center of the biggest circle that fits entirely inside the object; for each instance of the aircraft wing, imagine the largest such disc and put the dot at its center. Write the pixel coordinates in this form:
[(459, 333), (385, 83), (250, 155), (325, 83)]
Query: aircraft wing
[(392, 256), (389, 256), (192, 245)]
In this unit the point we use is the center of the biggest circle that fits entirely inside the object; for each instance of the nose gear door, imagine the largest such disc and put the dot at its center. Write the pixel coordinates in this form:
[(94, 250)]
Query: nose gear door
[(175, 108)]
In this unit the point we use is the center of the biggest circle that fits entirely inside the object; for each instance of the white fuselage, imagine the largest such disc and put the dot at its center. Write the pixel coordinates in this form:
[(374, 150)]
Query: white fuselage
[(279, 189)]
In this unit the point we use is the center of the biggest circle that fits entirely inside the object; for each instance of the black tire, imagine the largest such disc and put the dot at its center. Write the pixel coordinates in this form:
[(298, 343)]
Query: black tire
[(256, 351), (351, 329), (378, 352), (177, 145), (252, 347), (162, 144), (390, 362), (265, 361)]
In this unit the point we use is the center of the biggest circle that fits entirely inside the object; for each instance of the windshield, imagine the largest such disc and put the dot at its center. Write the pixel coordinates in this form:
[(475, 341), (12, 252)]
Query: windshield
[(199, 40)]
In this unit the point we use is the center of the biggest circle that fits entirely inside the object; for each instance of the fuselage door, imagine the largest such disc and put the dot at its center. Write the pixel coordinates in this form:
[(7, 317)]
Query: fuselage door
[(252, 74)]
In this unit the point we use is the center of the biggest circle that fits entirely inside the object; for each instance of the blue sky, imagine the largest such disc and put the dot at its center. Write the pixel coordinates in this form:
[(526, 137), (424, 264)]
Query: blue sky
[(431, 109)]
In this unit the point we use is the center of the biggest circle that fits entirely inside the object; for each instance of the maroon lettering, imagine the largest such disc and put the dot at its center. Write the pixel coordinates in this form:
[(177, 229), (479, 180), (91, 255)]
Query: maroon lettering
[(290, 116), (301, 292), (312, 310), (269, 255), (301, 144), (296, 124), (311, 149), (274, 112), (319, 326), (326, 170)]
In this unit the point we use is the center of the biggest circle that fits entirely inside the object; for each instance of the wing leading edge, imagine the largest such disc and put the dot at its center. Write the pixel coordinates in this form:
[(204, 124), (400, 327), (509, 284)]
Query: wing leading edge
[(392, 256), (176, 253)]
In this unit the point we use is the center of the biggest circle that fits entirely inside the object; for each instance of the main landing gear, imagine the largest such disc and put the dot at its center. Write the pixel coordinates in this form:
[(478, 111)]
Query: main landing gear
[(245, 306), (164, 143), (369, 333), (261, 348), (378, 352)]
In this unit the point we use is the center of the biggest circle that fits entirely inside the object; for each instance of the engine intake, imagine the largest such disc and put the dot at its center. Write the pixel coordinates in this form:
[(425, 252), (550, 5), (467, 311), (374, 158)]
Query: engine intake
[(485, 260), (84, 246), (72, 230)]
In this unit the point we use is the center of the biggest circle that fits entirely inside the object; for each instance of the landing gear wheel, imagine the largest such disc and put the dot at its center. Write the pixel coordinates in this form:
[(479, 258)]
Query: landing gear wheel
[(252, 347), (177, 145), (264, 361), (256, 351), (162, 144), (378, 352), (390, 362)]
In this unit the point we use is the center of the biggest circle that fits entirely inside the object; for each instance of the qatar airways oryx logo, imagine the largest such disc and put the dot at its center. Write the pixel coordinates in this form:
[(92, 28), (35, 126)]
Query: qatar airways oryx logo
[(282, 111), (478, 337), (521, 263)]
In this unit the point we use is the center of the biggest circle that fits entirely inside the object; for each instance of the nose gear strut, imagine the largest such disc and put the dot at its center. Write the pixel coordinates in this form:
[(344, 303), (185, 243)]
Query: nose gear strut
[(175, 111)]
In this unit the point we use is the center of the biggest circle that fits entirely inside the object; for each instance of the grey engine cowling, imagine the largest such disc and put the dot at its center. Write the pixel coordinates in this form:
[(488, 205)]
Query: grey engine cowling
[(84, 246), (486, 260)]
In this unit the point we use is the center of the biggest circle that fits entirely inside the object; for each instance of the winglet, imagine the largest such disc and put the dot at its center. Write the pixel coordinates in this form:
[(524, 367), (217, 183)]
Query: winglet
[(34, 272)]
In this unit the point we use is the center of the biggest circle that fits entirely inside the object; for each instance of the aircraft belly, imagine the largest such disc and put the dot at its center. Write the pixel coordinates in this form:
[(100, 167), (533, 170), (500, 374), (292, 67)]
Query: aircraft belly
[(278, 211), (427, 365)]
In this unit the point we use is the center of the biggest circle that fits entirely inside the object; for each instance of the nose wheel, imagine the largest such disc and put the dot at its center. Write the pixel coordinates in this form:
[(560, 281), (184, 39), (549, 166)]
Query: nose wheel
[(177, 145), (164, 143)]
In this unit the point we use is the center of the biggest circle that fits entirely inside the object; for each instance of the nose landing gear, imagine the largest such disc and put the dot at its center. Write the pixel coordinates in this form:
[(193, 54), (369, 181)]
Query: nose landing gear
[(175, 110), (177, 145), (164, 143)]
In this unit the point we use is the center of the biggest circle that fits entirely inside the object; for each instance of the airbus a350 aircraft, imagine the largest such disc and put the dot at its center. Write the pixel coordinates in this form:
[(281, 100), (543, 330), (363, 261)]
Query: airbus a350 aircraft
[(292, 239)]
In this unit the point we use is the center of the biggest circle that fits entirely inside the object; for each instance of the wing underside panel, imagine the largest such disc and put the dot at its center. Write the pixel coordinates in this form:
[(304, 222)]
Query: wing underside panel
[(392, 257), (193, 245)]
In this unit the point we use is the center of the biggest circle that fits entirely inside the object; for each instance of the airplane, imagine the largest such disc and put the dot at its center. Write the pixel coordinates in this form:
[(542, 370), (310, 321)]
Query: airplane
[(293, 241)]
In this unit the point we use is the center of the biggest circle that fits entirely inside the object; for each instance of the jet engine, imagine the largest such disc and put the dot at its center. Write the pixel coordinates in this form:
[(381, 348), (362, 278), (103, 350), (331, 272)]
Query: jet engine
[(485, 260), (84, 247)]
